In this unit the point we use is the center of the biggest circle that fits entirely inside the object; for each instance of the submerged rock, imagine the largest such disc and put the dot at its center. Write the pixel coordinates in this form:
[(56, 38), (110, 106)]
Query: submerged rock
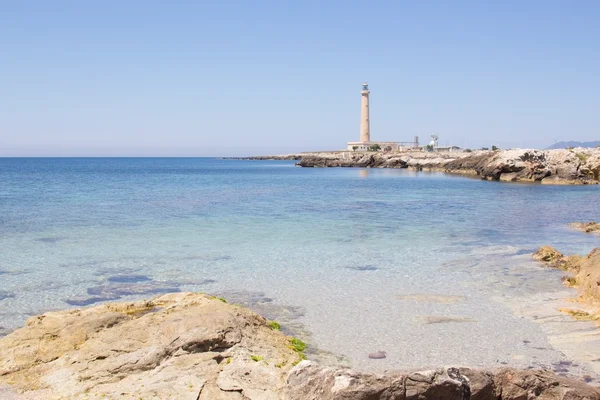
[(128, 278), (6, 295), (378, 355)]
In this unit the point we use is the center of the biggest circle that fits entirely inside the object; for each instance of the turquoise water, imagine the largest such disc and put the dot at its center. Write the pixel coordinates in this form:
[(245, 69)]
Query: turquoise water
[(345, 257)]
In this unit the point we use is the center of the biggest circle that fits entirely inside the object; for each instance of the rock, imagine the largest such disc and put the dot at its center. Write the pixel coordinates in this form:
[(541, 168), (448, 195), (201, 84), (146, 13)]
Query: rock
[(6, 295), (554, 259), (575, 166), (170, 347), (587, 227), (548, 254), (517, 385), (194, 346), (309, 381), (378, 355), (586, 278)]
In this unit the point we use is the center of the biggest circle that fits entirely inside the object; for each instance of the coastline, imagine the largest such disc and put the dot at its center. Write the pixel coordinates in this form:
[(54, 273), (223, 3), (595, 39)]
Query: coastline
[(579, 166), (190, 345), (433, 302)]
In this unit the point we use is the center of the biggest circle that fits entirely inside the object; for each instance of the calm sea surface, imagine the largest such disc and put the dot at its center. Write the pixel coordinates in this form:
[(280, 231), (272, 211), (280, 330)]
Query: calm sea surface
[(432, 269)]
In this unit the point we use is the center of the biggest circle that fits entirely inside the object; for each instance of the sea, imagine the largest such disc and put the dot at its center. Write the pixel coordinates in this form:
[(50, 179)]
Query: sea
[(430, 269)]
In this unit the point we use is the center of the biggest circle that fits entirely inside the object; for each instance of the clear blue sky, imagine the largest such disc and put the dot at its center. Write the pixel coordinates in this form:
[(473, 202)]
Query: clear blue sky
[(201, 78)]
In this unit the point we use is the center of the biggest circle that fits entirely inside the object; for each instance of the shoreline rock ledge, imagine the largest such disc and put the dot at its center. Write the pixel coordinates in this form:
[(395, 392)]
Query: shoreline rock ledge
[(194, 346), (558, 167)]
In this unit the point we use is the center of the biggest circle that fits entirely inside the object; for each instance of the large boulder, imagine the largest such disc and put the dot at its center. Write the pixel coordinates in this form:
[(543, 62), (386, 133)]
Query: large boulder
[(171, 347)]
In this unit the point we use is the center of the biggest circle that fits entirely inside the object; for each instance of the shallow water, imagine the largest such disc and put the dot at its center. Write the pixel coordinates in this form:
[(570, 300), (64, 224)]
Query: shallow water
[(429, 268)]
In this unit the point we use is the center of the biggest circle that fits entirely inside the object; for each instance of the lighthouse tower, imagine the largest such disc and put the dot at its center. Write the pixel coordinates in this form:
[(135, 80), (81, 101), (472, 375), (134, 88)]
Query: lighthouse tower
[(365, 127)]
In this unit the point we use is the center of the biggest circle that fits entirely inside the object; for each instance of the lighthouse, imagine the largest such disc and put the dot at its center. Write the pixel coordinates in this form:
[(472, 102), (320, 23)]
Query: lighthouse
[(365, 125), (365, 143)]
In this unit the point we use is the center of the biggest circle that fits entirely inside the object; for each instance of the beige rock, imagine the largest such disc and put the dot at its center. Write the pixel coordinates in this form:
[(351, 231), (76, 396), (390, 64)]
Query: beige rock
[(558, 167), (170, 347), (587, 227), (547, 254)]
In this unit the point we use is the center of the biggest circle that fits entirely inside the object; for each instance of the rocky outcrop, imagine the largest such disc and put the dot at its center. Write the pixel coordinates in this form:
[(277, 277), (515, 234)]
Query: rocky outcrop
[(259, 158), (194, 346), (587, 227), (553, 258), (584, 275), (309, 381), (568, 166), (177, 346)]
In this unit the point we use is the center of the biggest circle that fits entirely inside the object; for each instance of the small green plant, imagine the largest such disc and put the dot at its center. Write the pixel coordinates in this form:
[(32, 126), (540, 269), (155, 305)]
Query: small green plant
[(297, 345), (495, 148), (281, 364), (274, 325), (228, 361), (222, 299), (582, 157), (468, 151), (374, 147), (256, 358), (354, 148), (484, 148), (429, 147)]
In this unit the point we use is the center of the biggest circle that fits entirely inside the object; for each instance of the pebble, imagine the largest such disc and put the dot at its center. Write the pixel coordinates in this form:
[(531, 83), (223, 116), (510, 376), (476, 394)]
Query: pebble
[(377, 355)]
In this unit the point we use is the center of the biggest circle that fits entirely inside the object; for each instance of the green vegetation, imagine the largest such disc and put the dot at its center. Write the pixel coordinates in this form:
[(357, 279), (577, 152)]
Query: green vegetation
[(297, 345), (274, 325), (281, 364), (468, 150), (429, 147), (222, 299), (582, 157), (354, 148), (485, 148), (228, 361), (495, 148), (256, 358), (374, 147)]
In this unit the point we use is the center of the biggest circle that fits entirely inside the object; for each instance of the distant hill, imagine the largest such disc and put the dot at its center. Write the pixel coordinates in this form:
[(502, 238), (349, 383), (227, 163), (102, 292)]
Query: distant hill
[(564, 145)]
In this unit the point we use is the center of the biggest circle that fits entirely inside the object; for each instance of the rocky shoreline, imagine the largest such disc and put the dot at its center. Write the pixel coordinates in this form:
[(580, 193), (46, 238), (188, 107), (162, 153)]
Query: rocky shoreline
[(199, 347), (577, 166), (195, 346), (583, 275)]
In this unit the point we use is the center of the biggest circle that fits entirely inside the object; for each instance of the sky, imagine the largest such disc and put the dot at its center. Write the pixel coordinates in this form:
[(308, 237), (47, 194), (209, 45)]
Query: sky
[(234, 78)]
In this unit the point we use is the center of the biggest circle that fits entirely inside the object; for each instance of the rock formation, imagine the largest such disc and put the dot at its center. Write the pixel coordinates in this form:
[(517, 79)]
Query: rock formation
[(309, 381), (584, 275), (568, 166), (194, 346), (177, 346), (587, 227)]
